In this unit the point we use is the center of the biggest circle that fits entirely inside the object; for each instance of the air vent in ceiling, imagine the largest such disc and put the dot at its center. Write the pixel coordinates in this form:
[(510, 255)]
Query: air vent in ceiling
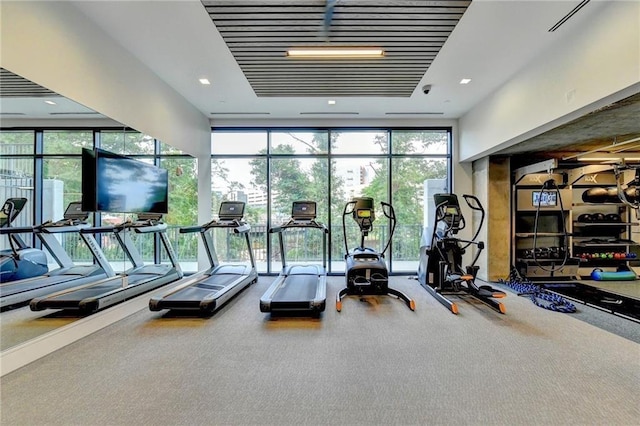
[(14, 86)]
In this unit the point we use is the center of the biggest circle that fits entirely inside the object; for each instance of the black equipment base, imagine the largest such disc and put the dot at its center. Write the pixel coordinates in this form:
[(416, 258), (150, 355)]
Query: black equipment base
[(367, 290), (485, 294)]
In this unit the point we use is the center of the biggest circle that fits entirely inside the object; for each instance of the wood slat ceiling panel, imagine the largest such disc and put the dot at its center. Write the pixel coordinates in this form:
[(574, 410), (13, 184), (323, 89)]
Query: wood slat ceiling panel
[(14, 86), (259, 32)]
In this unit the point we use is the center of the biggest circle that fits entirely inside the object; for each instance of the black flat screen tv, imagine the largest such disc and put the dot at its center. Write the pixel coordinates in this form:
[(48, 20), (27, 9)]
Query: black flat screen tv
[(119, 184)]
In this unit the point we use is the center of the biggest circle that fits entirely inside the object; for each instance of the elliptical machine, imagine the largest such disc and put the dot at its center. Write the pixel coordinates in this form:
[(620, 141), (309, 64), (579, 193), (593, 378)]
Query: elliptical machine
[(366, 270), (440, 270), (20, 261)]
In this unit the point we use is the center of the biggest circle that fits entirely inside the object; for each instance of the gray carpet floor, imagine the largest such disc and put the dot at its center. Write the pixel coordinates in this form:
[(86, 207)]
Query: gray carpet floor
[(376, 362)]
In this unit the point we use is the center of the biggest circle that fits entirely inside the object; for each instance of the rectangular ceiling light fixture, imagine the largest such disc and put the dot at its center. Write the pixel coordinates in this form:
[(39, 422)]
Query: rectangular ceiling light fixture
[(609, 157), (335, 52)]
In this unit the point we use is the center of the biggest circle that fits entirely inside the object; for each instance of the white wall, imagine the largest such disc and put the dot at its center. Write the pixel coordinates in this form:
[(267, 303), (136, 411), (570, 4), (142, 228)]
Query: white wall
[(596, 65), (53, 44)]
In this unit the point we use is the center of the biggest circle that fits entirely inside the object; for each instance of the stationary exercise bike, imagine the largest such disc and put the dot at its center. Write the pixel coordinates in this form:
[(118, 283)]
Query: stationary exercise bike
[(20, 261), (366, 270), (440, 270)]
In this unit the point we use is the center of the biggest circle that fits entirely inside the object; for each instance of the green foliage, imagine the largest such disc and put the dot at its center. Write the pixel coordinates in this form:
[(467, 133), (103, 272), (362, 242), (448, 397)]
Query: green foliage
[(408, 174)]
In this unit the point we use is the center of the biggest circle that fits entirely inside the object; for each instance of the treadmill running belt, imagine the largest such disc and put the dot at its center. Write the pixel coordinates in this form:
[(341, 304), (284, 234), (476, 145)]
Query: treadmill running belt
[(48, 282), (297, 288), (217, 282)]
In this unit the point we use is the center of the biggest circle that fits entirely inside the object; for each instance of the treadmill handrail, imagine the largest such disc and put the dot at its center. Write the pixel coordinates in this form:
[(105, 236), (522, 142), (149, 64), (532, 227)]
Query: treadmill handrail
[(240, 227), (141, 227), (59, 229), (97, 229), (17, 230), (299, 224)]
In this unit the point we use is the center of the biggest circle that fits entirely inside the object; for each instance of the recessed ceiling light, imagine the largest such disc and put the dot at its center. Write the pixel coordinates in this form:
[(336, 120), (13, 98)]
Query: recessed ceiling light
[(50, 102), (204, 81), (465, 81), (336, 52), (331, 102)]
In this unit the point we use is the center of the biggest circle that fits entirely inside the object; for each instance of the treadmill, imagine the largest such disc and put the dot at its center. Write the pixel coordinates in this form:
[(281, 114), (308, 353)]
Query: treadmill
[(139, 279), (68, 274), (299, 288), (208, 290), (20, 261)]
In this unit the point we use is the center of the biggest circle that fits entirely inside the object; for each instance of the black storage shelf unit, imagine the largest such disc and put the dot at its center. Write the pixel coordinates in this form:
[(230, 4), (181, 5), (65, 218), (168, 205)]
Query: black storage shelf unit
[(600, 242), (539, 248)]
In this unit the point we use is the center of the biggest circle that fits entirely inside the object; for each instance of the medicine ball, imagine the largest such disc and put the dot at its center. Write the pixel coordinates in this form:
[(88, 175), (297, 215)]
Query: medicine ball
[(612, 217), (595, 195), (598, 217), (585, 218)]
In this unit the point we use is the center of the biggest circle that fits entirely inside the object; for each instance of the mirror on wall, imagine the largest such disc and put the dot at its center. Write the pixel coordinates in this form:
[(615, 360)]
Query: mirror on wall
[(24, 106)]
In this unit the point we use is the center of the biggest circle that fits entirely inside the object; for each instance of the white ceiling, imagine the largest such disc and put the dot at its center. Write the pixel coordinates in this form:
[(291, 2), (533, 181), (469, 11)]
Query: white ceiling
[(178, 41)]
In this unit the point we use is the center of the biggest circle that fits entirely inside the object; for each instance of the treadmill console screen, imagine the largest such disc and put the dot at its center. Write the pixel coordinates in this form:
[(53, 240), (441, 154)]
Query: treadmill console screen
[(74, 212), (363, 214), (230, 210), (10, 210), (303, 210)]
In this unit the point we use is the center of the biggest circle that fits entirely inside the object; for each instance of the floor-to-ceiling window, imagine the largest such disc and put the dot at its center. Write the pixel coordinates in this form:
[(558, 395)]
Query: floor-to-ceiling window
[(271, 168)]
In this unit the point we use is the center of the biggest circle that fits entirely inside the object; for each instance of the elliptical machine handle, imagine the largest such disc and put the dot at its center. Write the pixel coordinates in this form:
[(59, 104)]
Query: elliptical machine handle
[(473, 202), (390, 213), (388, 210), (348, 208)]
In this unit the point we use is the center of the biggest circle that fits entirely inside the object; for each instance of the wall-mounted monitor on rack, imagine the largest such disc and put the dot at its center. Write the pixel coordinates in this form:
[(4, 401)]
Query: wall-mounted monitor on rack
[(544, 198), (115, 183)]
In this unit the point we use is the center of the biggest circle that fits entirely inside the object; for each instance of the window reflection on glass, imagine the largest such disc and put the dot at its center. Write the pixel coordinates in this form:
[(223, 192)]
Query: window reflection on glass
[(238, 142), (427, 142), (16, 181), (183, 208), (16, 142), (243, 179), (166, 149), (359, 142), (66, 142), (297, 142), (357, 177), (298, 179), (127, 142), (410, 179), (62, 185)]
